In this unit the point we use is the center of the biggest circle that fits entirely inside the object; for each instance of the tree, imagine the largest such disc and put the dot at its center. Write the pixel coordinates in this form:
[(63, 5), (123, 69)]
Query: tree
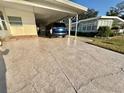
[(120, 6), (88, 14), (113, 12), (118, 10)]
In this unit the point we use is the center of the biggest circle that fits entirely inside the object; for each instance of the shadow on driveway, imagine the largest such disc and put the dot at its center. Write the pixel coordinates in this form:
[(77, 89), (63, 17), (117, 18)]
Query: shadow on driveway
[(3, 88)]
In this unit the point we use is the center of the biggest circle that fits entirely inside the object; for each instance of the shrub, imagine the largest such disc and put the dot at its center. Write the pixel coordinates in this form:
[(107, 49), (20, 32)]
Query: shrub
[(104, 31), (87, 34)]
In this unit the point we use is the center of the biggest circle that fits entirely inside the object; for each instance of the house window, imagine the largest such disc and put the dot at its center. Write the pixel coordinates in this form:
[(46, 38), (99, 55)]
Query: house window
[(94, 27), (84, 27), (15, 20), (89, 27), (80, 27)]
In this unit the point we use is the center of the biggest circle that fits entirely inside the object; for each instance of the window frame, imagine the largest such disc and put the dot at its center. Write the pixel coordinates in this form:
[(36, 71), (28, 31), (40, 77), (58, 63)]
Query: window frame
[(84, 27), (89, 27), (15, 20)]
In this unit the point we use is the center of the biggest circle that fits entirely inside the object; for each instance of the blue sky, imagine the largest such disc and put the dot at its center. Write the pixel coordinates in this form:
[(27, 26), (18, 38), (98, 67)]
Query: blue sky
[(100, 5)]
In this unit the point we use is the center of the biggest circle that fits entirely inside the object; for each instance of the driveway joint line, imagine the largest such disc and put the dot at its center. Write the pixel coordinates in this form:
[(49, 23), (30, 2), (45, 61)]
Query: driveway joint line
[(63, 72), (102, 76)]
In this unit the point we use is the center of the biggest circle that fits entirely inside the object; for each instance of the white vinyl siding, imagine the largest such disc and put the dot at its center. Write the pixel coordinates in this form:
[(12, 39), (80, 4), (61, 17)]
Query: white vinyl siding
[(90, 26), (105, 22)]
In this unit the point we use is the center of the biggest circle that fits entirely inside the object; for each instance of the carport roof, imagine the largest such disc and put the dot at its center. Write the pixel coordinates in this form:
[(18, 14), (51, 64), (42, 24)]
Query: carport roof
[(48, 10)]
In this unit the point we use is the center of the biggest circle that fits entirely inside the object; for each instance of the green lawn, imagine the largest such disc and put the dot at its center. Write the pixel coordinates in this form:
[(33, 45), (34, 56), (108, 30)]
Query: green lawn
[(115, 43)]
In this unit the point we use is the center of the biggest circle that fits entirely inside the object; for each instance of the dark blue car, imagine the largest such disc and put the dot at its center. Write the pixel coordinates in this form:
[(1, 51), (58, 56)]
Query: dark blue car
[(58, 29)]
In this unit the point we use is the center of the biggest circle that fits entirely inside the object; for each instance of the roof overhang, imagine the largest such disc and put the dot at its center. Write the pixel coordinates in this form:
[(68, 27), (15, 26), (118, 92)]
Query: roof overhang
[(48, 10), (116, 18)]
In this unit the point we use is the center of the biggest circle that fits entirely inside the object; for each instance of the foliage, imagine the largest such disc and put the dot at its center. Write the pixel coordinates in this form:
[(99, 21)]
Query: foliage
[(120, 6), (115, 24), (113, 12), (88, 14), (104, 31), (118, 10), (115, 43), (86, 34)]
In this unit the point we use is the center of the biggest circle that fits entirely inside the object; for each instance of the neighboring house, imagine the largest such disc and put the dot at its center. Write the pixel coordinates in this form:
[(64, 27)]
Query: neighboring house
[(19, 17), (93, 24)]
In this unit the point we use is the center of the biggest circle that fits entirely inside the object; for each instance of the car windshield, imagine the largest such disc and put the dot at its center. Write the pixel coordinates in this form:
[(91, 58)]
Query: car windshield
[(59, 25)]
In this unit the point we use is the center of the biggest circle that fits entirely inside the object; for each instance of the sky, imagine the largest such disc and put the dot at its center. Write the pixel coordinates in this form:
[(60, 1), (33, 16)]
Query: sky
[(100, 5)]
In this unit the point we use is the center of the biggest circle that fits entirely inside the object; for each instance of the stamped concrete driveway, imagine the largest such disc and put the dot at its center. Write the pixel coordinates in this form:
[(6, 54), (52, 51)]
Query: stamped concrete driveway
[(41, 65)]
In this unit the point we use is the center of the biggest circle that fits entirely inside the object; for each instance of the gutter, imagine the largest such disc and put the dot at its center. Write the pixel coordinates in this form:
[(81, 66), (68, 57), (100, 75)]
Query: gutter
[(38, 5), (70, 3)]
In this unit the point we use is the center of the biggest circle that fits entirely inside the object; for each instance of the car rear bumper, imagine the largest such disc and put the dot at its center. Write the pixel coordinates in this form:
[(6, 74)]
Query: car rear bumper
[(59, 34)]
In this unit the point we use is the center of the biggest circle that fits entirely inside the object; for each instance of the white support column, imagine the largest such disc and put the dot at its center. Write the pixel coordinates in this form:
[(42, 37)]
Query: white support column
[(1, 25), (69, 27), (76, 25)]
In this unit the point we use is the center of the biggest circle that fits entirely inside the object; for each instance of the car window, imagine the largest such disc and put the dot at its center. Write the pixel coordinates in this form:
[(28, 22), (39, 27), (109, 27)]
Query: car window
[(59, 25)]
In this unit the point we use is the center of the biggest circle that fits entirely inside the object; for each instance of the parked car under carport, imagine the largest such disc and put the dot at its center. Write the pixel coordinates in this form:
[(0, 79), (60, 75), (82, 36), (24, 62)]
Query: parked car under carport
[(28, 12)]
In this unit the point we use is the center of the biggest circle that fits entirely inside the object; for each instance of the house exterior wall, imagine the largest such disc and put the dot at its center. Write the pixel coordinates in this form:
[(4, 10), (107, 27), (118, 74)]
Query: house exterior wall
[(105, 22), (28, 26), (88, 26), (92, 25)]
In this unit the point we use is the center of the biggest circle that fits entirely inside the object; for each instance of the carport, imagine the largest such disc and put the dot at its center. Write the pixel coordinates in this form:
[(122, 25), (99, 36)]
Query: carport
[(49, 11)]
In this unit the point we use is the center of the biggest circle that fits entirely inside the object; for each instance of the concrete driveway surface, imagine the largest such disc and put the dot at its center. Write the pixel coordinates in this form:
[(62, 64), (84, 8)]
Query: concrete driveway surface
[(42, 65)]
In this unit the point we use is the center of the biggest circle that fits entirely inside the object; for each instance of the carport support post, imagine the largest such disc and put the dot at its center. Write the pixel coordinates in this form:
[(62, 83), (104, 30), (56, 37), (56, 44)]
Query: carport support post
[(76, 29), (69, 27)]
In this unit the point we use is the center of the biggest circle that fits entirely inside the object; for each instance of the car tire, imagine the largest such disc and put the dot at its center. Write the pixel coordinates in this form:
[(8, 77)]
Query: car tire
[(63, 36), (50, 36)]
